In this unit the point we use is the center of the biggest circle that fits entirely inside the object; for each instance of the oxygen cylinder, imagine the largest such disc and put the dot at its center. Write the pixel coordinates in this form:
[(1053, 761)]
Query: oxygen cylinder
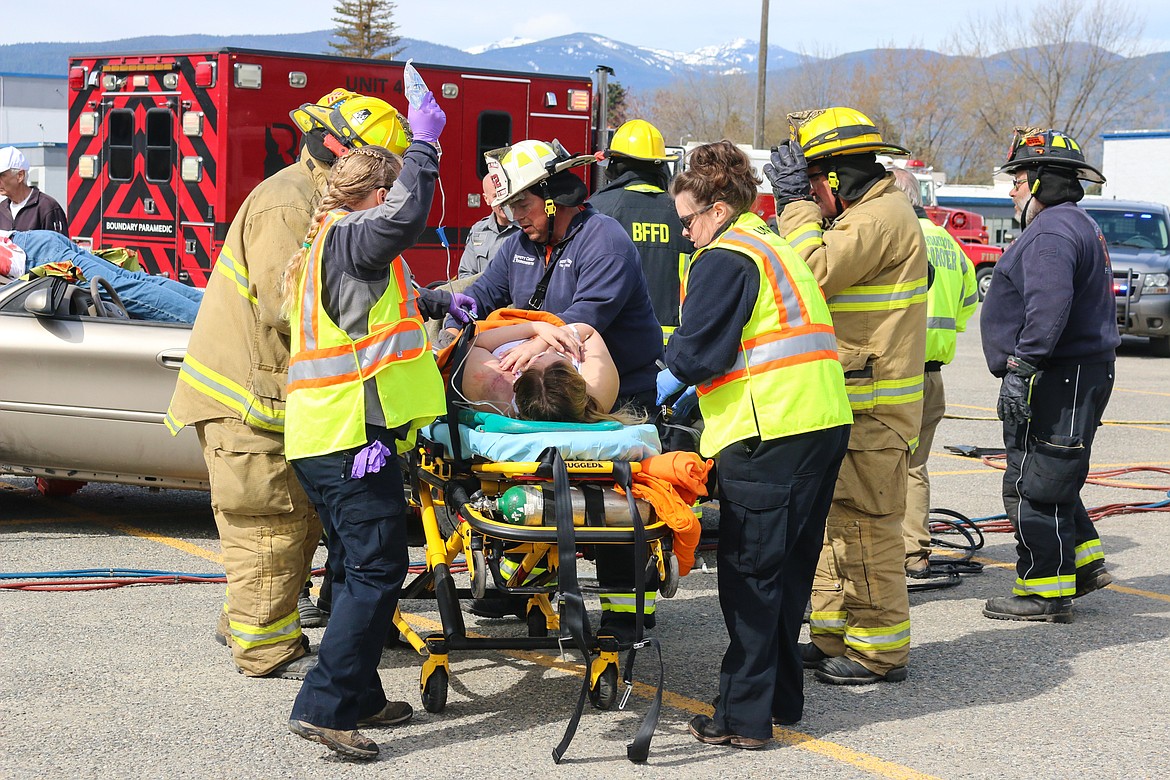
[(524, 505)]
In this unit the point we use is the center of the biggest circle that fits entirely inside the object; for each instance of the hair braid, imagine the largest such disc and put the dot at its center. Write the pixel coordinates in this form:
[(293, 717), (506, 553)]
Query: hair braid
[(351, 180)]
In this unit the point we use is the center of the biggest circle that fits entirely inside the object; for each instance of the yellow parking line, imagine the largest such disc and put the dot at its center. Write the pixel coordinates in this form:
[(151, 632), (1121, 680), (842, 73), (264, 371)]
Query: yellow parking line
[(169, 541), (798, 739), (129, 530)]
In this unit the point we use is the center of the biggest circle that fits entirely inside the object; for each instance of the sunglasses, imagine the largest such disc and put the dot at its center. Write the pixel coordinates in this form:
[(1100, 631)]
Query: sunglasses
[(689, 218)]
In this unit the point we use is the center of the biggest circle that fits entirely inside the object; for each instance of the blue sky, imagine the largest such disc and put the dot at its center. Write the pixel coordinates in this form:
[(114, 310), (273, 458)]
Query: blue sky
[(687, 25)]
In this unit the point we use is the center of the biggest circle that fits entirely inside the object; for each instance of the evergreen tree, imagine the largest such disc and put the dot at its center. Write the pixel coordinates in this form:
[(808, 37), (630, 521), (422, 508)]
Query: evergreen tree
[(365, 28)]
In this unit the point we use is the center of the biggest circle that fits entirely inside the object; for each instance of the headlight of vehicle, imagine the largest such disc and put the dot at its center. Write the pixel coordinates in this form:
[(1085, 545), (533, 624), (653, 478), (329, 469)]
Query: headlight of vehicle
[(1155, 281)]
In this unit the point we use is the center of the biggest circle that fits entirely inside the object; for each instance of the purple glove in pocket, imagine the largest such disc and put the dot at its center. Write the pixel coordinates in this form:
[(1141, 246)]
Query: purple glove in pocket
[(370, 459)]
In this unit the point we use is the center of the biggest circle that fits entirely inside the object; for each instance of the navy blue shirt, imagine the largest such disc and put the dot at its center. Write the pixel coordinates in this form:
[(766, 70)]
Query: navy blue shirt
[(598, 280), (706, 344), (1051, 299)]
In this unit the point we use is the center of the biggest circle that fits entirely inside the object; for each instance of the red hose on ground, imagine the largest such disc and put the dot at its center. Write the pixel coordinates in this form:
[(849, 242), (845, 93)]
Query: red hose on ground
[(1100, 477)]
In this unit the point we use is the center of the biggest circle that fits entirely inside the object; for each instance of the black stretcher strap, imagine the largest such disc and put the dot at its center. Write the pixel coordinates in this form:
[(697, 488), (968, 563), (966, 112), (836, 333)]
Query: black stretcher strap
[(639, 750), (573, 615)]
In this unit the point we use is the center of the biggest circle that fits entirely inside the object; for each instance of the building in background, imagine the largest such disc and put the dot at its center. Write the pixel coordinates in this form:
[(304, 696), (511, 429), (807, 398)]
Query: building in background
[(1135, 163), (34, 117)]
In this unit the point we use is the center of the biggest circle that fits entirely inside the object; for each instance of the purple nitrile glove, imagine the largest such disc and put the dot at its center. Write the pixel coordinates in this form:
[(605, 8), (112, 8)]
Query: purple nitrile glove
[(427, 121), (462, 308), (370, 459)]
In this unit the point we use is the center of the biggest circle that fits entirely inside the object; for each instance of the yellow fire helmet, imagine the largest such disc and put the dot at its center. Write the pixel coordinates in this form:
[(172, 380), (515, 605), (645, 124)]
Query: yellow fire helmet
[(830, 132), (526, 164), (354, 120), (639, 140)]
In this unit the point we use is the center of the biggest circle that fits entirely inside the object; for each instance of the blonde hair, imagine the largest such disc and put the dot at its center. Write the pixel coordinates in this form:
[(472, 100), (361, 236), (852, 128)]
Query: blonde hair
[(351, 180), (558, 393)]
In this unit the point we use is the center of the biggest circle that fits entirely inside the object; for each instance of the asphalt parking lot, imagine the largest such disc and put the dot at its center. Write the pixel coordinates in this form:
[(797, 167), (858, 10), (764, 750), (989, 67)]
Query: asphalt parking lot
[(128, 683)]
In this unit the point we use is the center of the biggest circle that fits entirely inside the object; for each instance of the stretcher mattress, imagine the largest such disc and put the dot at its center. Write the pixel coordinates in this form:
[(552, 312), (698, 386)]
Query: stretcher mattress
[(503, 440)]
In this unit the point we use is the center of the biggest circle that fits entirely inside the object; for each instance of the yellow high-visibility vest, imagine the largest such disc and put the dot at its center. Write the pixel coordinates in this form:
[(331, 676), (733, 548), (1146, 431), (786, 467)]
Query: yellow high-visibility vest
[(326, 410), (953, 294), (787, 378)]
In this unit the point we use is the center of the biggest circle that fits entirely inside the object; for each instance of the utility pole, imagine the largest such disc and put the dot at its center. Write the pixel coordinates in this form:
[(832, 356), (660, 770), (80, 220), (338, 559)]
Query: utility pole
[(761, 76), (603, 72)]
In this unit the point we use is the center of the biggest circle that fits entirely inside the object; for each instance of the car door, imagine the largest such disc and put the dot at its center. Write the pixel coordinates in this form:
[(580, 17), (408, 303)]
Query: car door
[(86, 396)]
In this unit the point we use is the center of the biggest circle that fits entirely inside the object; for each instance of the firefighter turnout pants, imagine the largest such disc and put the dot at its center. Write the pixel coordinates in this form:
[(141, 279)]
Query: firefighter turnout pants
[(916, 521), (1047, 463), (774, 497), (268, 532), (365, 525), (860, 606)]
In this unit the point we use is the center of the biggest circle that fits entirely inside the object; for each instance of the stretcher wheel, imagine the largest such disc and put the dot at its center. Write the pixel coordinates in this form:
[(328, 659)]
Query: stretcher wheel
[(479, 575), (434, 692), (603, 695), (669, 586), (537, 622)]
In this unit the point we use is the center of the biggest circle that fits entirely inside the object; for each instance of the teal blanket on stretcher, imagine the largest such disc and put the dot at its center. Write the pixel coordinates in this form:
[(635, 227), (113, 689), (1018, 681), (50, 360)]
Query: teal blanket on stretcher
[(505, 440)]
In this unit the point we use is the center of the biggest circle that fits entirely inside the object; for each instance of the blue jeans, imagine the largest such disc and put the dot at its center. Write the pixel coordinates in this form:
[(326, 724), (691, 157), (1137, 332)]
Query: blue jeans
[(146, 297), (365, 528)]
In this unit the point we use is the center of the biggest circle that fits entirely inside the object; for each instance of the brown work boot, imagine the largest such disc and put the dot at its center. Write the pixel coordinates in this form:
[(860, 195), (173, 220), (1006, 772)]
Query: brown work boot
[(393, 714), (348, 743), (704, 729)]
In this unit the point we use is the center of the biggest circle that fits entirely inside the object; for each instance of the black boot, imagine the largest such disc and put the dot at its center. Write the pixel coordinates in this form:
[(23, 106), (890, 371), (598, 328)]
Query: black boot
[(1058, 610)]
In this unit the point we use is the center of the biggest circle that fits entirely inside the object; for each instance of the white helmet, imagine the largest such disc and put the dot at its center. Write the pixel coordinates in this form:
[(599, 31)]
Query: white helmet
[(525, 164)]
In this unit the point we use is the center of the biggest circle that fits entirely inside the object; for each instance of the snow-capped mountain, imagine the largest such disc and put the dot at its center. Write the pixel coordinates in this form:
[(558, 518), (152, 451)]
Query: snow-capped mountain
[(637, 68), (507, 43)]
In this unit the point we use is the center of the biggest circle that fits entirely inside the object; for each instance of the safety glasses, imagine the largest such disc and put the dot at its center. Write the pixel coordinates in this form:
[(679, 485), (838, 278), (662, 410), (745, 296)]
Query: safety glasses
[(689, 218)]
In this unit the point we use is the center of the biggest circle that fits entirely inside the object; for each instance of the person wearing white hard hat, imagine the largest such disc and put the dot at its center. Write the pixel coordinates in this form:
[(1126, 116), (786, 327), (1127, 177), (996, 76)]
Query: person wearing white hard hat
[(23, 207), (573, 261)]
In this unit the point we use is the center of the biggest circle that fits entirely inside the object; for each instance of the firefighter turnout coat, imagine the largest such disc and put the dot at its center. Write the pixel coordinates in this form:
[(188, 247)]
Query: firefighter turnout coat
[(232, 387), (871, 264)]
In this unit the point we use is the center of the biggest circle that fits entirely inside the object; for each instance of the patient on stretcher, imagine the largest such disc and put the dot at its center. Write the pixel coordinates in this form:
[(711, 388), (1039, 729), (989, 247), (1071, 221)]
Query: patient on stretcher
[(537, 370)]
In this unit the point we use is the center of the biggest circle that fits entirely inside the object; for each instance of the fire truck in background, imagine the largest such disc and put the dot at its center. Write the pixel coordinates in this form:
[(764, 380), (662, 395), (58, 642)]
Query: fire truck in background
[(967, 227), (164, 147)]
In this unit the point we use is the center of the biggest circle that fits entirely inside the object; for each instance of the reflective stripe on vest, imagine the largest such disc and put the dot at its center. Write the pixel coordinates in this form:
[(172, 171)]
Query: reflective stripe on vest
[(777, 349), (644, 188)]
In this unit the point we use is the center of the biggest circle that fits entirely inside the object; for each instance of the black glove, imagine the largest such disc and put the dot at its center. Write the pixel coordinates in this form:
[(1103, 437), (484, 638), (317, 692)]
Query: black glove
[(788, 174), (1014, 391)]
